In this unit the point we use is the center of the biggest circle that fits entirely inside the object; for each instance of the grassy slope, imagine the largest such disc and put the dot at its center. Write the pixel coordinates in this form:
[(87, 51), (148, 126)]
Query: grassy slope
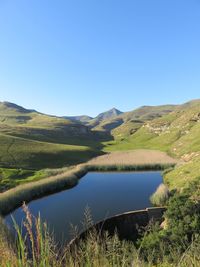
[(133, 120), (30, 154), (30, 140), (127, 123), (176, 133), (25, 154), (183, 174)]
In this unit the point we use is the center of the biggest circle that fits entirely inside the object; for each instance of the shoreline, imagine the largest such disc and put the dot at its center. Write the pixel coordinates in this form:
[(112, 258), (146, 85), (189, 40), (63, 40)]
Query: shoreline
[(14, 198)]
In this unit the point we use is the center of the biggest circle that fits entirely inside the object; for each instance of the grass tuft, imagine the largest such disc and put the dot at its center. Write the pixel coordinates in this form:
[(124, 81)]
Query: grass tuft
[(161, 196)]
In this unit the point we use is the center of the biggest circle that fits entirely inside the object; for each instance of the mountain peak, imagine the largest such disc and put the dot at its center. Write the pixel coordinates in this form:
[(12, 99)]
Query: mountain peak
[(109, 114), (116, 110)]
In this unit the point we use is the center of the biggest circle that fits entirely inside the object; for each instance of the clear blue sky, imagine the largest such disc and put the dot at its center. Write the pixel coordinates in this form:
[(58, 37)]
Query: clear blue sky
[(70, 57)]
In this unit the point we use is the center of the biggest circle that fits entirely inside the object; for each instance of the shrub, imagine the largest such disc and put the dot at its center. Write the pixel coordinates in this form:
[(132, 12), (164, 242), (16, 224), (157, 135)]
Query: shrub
[(183, 219)]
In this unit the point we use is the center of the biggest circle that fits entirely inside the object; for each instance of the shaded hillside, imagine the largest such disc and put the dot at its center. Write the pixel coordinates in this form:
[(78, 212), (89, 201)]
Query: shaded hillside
[(83, 118), (30, 139), (104, 116)]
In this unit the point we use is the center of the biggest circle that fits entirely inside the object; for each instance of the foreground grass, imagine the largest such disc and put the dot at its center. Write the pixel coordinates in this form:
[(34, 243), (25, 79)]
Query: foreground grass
[(37, 248), (7, 252)]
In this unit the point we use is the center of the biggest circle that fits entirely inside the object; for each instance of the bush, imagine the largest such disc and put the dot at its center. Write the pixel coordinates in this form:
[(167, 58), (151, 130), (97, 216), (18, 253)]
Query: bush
[(183, 219)]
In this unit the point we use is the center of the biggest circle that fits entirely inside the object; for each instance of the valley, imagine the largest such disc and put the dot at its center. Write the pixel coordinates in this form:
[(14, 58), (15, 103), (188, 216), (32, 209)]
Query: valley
[(32, 141), (43, 159)]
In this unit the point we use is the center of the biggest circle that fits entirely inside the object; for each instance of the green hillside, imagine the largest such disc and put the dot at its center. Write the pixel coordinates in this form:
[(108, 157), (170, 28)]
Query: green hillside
[(32, 140), (133, 120), (177, 133), (123, 124)]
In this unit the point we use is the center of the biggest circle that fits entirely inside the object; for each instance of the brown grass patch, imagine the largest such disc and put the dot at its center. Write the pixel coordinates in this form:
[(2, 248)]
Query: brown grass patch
[(135, 157)]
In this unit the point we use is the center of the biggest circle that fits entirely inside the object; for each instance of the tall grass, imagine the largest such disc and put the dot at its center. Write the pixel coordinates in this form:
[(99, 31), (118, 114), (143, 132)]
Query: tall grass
[(7, 252), (14, 197), (161, 195), (38, 249), (133, 167)]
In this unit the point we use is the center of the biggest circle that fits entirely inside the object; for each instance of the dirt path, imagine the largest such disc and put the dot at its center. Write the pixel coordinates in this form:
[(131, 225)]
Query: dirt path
[(142, 156)]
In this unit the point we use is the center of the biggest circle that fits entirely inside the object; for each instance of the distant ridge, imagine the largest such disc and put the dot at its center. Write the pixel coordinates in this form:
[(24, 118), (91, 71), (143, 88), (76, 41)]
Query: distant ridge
[(18, 108), (81, 118)]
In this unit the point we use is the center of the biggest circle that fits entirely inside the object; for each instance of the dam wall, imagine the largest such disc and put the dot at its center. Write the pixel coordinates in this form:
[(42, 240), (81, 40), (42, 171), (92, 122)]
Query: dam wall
[(127, 225)]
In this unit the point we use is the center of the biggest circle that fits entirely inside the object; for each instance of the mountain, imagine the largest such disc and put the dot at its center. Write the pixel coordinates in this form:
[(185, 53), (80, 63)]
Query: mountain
[(126, 123), (29, 139), (7, 106), (114, 121), (107, 115), (133, 120), (176, 132)]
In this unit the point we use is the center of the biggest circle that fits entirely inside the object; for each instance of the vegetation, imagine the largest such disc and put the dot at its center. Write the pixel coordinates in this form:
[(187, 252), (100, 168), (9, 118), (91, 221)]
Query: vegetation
[(181, 227), (175, 132), (138, 167), (31, 140), (10, 178), (134, 157), (7, 252), (23, 153), (161, 196), (183, 174), (156, 247)]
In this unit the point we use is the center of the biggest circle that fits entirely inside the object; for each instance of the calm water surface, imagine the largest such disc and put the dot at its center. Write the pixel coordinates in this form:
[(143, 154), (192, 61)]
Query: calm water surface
[(106, 194)]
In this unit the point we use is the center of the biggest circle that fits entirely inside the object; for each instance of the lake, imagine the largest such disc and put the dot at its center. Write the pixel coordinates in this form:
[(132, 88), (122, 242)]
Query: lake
[(105, 193)]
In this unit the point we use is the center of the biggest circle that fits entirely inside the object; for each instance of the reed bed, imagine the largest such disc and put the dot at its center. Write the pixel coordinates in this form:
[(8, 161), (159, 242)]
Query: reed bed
[(135, 157), (14, 197), (136, 167)]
